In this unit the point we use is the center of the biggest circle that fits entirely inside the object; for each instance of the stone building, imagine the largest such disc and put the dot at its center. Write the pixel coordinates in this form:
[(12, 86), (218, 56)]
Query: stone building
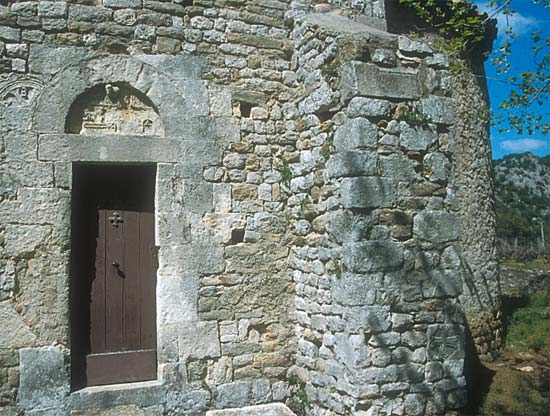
[(210, 204)]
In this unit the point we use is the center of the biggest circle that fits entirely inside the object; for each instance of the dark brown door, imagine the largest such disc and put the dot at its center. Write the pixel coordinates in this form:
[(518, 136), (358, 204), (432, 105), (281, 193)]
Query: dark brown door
[(118, 271)]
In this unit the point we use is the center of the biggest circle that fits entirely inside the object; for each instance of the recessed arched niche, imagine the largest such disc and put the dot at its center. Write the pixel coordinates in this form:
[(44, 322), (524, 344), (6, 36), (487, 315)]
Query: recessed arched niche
[(115, 108)]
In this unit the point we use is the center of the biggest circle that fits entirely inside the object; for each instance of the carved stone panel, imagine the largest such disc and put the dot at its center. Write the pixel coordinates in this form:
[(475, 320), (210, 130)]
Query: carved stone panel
[(114, 109), (19, 91)]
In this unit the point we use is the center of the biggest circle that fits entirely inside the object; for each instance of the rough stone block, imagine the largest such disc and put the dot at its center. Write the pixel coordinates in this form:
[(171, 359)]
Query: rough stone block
[(52, 9), (198, 340), (370, 256), (441, 284), (352, 164), (356, 134), (369, 319), (44, 380), (364, 79), (235, 394), (438, 109), (273, 409), (416, 138), (368, 192), (122, 4), (436, 227), (368, 107)]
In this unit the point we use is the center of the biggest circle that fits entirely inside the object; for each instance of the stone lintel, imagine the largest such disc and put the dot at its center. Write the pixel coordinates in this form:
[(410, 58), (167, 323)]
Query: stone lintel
[(108, 148)]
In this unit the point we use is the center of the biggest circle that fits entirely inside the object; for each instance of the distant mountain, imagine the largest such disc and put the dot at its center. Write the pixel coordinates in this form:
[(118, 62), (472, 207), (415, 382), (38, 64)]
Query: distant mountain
[(522, 188)]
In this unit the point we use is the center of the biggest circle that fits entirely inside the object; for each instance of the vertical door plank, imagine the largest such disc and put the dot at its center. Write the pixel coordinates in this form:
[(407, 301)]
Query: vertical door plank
[(97, 306), (114, 283), (132, 330), (148, 281)]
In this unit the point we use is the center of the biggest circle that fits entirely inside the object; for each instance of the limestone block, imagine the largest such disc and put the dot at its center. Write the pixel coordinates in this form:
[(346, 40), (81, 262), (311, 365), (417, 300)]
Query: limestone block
[(37, 206), (52, 9), (117, 411), (438, 166), (441, 284), (436, 227), (446, 342), (370, 256), (369, 80), (44, 379), (368, 192), (351, 350), (398, 166), (235, 394), (368, 107), (90, 148), (14, 333), (356, 134), (354, 290), (438, 109), (413, 47), (416, 138), (370, 319), (273, 409), (121, 4), (177, 299), (223, 225), (198, 340), (352, 164), (142, 394)]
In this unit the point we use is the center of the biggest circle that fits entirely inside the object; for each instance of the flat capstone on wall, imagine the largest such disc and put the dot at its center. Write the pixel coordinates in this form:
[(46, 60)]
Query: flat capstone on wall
[(306, 204)]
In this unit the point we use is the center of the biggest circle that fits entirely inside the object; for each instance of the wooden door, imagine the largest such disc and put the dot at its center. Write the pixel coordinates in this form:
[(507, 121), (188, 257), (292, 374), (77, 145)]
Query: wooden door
[(119, 271)]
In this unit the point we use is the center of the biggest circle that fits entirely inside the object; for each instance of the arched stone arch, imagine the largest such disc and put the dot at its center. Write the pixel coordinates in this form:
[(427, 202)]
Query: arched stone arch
[(170, 97)]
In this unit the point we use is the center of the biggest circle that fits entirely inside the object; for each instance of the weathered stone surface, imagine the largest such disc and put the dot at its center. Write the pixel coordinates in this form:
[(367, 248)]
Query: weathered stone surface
[(44, 379), (368, 192), (356, 134), (372, 256), (274, 409), (436, 227), (416, 138), (363, 79), (198, 340), (352, 164), (438, 109), (367, 107)]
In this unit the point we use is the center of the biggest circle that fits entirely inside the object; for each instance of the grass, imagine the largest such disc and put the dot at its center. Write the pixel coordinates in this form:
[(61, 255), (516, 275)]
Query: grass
[(529, 326), (536, 264), (520, 393)]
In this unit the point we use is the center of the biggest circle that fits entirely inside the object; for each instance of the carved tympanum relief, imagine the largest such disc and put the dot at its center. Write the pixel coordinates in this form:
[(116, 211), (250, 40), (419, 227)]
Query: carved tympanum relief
[(114, 109)]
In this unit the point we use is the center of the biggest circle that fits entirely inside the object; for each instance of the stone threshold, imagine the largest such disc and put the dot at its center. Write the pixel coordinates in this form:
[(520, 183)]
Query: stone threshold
[(272, 409)]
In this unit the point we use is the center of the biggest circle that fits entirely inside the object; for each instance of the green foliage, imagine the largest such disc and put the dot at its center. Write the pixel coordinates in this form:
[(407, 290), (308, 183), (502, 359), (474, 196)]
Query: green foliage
[(518, 393), (298, 401), (285, 171), (516, 206), (529, 327), (526, 108), (326, 148), (458, 22), (412, 117)]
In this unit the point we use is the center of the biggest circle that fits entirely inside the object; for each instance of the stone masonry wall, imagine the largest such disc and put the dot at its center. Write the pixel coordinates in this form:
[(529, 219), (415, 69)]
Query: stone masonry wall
[(223, 195), (377, 254), (309, 233)]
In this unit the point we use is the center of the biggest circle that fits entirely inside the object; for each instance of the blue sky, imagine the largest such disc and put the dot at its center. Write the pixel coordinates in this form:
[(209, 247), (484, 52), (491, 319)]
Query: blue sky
[(528, 18)]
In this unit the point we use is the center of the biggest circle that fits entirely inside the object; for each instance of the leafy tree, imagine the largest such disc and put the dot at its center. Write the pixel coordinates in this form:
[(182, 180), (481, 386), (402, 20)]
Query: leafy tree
[(527, 108)]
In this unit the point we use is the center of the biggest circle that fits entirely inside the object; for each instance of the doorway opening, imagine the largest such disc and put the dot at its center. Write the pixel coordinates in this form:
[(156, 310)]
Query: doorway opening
[(113, 274)]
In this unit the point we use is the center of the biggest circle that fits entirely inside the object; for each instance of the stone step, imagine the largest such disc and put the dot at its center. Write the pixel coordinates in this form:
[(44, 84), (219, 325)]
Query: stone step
[(272, 409)]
